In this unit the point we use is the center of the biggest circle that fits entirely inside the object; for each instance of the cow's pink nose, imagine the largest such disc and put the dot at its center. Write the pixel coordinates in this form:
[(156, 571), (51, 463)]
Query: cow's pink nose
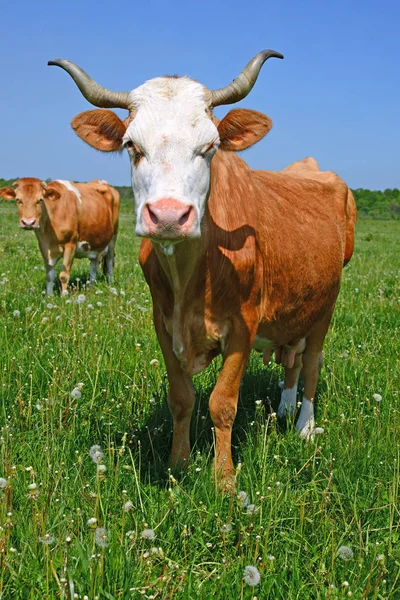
[(28, 222), (168, 218)]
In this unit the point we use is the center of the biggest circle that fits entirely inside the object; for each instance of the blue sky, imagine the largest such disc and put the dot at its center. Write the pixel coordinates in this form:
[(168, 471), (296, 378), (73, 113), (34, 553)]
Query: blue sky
[(336, 96)]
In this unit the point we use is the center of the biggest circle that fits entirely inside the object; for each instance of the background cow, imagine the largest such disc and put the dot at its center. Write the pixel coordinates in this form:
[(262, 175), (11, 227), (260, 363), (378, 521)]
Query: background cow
[(70, 220), (235, 258)]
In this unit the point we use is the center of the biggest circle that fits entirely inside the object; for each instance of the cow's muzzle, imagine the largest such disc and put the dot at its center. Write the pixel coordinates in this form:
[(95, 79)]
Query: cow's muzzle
[(168, 219)]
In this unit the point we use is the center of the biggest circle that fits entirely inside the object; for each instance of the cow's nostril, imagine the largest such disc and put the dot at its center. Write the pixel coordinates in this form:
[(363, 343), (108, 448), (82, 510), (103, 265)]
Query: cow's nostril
[(153, 216), (183, 219)]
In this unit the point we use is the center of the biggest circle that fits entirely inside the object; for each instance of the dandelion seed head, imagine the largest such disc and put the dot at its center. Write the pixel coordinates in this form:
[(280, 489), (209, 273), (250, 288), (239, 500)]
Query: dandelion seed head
[(127, 506), (251, 509), (32, 486), (148, 534), (377, 397), (3, 483), (101, 469), (16, 313), (92, 522), (345, 553), (243, 498), (251, 576), (380, 558), (96, 454), (101, 537), (225, 528), (47, 539), (76, 393), (80, 299), (154, 362)]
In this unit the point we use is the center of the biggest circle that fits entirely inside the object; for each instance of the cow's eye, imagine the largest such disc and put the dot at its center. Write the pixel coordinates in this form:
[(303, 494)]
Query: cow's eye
[(207, 149), (128, 144), (134, 150)]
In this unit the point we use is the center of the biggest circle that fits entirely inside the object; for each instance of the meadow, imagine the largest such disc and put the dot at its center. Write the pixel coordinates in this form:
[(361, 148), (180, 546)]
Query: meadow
[(88, 508)]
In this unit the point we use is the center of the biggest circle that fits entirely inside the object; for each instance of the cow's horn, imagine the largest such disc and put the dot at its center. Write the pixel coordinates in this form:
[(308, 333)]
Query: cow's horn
[(243, 84), (93, 92)]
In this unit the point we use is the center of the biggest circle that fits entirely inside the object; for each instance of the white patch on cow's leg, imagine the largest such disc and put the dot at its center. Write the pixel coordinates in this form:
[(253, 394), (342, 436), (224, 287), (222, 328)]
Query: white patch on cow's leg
[(287, 405), (306, 423), (50, 278)]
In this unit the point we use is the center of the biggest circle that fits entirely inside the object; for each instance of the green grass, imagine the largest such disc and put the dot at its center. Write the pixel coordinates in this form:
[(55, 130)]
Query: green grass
[(309, 499)]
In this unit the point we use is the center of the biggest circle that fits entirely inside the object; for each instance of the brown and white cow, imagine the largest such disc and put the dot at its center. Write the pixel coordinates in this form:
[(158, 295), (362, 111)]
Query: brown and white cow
[(70, 220), (235, 258)]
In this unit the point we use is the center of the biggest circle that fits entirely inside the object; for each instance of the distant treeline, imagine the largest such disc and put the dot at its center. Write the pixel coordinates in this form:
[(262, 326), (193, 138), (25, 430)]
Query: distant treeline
[(372, 204)]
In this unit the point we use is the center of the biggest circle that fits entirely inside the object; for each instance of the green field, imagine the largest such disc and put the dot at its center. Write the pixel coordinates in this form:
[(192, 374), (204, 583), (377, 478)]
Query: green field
[(309, 498)]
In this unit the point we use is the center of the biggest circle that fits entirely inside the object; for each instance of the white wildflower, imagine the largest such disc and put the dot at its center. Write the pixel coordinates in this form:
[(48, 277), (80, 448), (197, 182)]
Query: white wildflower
[(68, 301), (251, 576), (44, 319), (319, 430), (101, 537), (58, 317), (3, 483), (225, 528), (32, 486), (243, 498), (16, 313), (345, 553), (380, 558), (80, 299), (377, 397), (99, 304), (127, 506), (49, 305), (64, 293), (101, 469), (90, 306), (154, 362), (130, 534), (251, 509), (148, 534), (271, 557), (39, 406), (47, 539), (92, 522), (96, 454), (114, 291), (28, 309)]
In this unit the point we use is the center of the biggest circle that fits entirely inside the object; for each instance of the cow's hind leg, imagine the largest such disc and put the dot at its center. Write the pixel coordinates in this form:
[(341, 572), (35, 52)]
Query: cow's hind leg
[(312, 360), (109, 259), (288, 403), (94, 267)]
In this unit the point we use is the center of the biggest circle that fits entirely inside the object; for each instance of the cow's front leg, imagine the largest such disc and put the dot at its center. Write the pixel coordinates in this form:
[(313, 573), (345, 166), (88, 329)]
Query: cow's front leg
[(180, 397), (68, 257), (50, 277), (224, 399)]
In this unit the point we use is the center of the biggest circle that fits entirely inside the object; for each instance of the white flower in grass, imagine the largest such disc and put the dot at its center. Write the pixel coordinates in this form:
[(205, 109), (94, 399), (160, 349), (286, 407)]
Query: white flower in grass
[(127, 506), (130, 534), (99, 304), (44, 319), (380, 558), (90, 306), (251, 576), (58, 317), (81, 299), (148, 534), (28, 309), (16, 313), (92, 522), (32, 487), (243, 498), (154, 362), (319, 430), (101, 537), (101, 469), (3, 483), (76, 393), (345, 553), (377, 397), (64, 293), (68, 301), (47, 539), (224, 529), (96, 454), (49, 305), (114, 291)]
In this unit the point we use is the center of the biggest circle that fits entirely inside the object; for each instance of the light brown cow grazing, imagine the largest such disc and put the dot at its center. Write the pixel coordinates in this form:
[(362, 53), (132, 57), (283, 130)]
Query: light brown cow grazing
[(70, 220), (236, 259)]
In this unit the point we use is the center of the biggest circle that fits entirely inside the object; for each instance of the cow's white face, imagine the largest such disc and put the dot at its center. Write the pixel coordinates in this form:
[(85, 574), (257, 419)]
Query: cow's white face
[(171, 142)]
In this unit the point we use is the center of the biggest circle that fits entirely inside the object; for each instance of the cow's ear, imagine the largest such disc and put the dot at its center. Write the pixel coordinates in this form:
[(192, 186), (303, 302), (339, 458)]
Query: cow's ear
[(241, 128), (101, 129), (7, 193), (51, 194)]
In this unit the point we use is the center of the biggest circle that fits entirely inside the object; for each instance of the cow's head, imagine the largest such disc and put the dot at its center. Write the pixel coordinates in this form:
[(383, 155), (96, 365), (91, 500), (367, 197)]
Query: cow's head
[(171, 137), (29, 194)]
